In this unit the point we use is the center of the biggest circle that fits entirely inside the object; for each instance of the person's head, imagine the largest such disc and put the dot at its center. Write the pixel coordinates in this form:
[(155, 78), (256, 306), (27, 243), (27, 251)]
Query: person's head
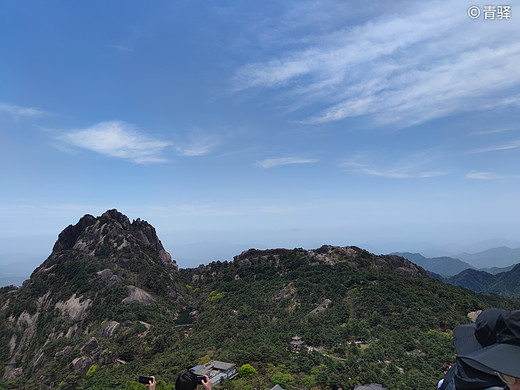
[(337, 386), (186, 381), (471, 337), (513, 383), (502, 357)]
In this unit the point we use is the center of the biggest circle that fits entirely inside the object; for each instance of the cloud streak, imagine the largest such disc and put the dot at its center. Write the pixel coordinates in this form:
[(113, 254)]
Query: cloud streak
[(481, 176), (117, 139), (200, 146), (401, 68), (19, 111), (411, 167), (515, 144), (276, 162)]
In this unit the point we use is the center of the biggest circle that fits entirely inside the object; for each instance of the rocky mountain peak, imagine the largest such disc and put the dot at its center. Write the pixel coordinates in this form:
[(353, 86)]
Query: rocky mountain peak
[(331, 255), (109, 234)]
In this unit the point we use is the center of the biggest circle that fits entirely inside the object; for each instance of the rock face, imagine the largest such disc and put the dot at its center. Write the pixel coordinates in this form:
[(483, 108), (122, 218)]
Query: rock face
[(137, 295), (111, 232), (74, 308), (108, 330)]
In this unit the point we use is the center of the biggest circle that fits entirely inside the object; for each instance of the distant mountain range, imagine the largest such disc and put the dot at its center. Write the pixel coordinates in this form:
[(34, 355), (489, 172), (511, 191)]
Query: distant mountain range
[(502, 281), (495, 257), (493, 261), (446, 266)]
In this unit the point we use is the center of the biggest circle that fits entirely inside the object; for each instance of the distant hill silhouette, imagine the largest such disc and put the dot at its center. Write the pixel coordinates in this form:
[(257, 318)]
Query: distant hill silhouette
[(446, 266), (494, 257), (478, 281), (497, 270), (504, 283)]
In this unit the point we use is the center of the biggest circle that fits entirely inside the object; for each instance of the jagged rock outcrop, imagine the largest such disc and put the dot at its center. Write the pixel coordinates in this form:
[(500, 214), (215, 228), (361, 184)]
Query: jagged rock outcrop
[(68, 238), (328, 254), (112, 232), (254, 256), (70, 296), (402, 266)]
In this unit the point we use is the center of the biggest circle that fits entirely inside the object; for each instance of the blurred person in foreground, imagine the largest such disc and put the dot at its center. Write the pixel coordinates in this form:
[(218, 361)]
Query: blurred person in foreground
[(189, 381), (501, 358)]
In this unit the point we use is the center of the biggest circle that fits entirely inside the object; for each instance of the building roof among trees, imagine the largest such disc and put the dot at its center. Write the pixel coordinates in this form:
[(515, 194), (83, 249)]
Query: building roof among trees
[(372, 386)]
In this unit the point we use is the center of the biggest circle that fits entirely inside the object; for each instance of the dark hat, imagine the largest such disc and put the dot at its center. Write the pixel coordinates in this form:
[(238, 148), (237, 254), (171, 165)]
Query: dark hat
[(504, 355), (472, 337)]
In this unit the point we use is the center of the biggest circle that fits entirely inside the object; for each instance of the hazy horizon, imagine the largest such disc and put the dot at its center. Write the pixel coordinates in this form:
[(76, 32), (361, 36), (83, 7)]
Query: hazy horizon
[(192, 255)]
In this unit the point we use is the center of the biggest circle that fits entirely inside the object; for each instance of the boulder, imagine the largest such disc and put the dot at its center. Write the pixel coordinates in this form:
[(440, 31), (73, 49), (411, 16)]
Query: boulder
[(90, 346), (108, 330), (104, 274), (135, 294), (114, 281), (82, 364)]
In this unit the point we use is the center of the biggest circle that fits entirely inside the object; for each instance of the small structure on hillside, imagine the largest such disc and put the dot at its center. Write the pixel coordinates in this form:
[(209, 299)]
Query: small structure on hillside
[(372, 386), (216, 371), (277, 387), (297, 343)]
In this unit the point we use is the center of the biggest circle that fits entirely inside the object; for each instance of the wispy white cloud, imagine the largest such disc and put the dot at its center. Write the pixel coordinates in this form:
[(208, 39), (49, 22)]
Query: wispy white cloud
[(496, 131), (19, 111), (424, 62), (394, 173), (481, 175), (415, 166), (199, 146), (275, 162), (117, 139), (515, 144)]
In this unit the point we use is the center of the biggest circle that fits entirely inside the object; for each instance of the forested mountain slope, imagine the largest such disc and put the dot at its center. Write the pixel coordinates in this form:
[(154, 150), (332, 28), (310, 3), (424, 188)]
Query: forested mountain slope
[(102, 310), (503, 283)]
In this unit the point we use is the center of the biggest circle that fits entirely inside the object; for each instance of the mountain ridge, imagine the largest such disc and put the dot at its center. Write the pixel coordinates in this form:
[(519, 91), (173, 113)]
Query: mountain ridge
[(103, 306)]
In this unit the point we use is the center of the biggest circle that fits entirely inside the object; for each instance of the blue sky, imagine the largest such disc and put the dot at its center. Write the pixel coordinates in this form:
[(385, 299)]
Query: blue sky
[(228, 125)]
